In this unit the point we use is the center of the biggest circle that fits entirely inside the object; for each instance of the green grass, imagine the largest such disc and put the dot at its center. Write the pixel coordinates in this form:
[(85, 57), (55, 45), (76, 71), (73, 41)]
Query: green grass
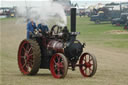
[(99, 34), (10, 18), (112, 64)]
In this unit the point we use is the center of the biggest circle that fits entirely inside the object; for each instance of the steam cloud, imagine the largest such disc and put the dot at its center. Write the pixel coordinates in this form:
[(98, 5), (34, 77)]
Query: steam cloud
[(49, 12)]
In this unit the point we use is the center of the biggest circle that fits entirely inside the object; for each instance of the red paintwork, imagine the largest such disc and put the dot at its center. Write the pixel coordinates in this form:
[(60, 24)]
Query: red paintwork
[(118, 24), (125, 27), (85, 66), (25, 55), (57, 66)]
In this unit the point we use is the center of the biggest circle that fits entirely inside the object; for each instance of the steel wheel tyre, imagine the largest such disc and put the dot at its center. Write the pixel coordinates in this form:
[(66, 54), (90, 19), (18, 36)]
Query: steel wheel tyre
[(88, 65), (29, 57), (58, 65)]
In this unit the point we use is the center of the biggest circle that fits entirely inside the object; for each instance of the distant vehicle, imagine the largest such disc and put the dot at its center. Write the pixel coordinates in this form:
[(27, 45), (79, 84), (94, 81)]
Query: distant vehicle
[(122, 20), (126, 25), (81, 11), (124, 7), (92, 12), (7, 11), (105, 14)]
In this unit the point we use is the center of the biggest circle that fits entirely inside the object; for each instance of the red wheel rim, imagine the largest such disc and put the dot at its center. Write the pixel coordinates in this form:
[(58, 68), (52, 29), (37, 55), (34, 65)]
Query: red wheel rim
[(57, 66), (86, 62), (25, 57)]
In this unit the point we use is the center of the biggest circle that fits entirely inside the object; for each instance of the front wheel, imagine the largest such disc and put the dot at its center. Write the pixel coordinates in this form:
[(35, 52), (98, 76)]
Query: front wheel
[(88, 65), (59, 65)]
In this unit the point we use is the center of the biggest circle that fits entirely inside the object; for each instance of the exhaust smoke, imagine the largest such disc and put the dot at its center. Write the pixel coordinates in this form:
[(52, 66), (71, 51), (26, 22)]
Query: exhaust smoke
[(49, 12)]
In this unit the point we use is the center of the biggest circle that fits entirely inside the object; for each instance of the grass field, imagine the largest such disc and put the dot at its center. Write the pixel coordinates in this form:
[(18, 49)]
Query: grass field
[(108, 43)]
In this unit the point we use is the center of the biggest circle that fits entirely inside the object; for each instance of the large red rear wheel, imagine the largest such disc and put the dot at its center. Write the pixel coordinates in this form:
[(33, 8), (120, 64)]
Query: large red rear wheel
[(29, 57), (58, 65), (88, 65)]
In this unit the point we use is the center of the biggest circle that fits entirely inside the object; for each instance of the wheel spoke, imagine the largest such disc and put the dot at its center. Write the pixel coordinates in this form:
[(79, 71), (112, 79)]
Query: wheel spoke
[(85, 59), (90, 59), (58, 57), (24, 49), (91, 64), (62, 70), (30, 64), (85, 68), (58, 72), (27, 47), (61, 65), (90, 70), (29, 50), (24, 64), (54, 61), (27, 67), (29, 56), (55, 68), (85, 71)]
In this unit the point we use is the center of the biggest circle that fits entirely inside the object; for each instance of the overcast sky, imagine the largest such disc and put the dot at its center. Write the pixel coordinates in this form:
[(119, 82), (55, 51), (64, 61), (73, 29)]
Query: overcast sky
[(10, 3), (71, 0)]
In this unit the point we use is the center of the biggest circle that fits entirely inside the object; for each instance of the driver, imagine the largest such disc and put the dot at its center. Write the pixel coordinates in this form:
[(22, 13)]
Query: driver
[(31, 27), (43, 28)]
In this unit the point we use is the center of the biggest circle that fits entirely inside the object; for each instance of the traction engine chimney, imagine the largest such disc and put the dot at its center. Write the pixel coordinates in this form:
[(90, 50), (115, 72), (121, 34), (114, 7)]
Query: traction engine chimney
[(73, 19)]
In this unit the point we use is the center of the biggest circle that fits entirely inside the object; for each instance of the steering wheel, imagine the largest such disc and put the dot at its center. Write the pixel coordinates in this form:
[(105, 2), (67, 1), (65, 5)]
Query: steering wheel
[(55, 30)]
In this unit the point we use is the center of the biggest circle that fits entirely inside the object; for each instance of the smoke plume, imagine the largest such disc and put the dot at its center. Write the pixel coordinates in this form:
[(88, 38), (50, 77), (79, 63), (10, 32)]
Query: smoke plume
[(49, 13)]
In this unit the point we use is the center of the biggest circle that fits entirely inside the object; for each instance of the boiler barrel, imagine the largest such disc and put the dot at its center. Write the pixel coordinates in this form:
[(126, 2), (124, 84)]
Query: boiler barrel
[(56, 46)]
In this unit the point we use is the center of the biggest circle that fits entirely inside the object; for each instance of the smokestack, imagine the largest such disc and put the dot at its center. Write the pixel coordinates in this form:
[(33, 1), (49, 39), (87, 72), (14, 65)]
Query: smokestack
[(73, 19)]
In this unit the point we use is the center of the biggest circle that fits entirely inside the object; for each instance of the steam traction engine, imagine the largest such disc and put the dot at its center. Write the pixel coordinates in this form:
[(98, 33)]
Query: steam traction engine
[(57, 51)]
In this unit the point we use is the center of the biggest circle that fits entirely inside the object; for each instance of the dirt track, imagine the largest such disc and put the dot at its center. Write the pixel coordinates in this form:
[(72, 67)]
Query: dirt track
[(112, 63)]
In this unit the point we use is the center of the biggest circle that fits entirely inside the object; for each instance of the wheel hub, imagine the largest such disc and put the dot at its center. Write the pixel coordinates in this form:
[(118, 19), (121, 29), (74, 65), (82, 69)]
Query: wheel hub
[(59, 65), (25, 57), (88, 64)]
